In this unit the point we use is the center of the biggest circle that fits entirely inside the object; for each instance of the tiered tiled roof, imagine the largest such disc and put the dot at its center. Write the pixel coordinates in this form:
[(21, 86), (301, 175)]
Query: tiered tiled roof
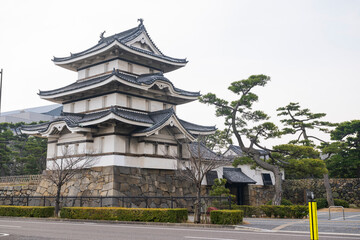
[(146, 121), (122, 38), (144, 79)]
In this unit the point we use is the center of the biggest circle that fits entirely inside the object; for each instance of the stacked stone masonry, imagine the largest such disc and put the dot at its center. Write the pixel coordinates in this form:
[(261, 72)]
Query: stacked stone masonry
[(343, 188)]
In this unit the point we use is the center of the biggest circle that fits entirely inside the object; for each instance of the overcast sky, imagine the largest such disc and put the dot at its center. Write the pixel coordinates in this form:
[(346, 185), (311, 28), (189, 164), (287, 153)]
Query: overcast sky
[(310, 49)]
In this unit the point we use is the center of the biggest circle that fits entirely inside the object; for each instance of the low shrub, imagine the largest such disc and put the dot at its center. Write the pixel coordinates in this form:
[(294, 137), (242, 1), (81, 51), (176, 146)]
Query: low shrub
[(322, 203), (293, 211), (340, 202), (249, 211), (283, 202), (126, 214), (226, 217), (27, 211)]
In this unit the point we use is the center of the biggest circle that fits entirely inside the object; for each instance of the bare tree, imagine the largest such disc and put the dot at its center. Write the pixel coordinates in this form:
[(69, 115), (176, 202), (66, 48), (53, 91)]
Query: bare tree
[(194, 169), (62, 169)]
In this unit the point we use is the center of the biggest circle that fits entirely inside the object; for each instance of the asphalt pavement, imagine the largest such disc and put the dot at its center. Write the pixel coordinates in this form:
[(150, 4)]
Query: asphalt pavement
[(254, 229)]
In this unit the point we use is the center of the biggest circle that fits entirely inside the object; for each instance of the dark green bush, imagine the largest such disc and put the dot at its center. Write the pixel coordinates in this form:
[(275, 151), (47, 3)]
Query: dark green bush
[(283, 202), (340, 202), (322, 203), (293, 211), (228, 217), (126, 214), (24, 211), (249, 211)]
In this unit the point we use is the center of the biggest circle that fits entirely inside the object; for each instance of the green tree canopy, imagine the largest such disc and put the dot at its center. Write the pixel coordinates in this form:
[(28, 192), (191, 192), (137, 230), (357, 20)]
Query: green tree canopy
[(344, 154)]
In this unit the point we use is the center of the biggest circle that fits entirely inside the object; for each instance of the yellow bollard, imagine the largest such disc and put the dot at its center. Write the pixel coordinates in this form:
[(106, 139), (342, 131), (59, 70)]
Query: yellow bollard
[(313, 220)]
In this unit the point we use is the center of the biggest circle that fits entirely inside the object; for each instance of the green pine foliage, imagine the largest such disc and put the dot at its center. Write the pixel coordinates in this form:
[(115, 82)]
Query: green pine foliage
[(345, 152), (219, 189), (20, 154)]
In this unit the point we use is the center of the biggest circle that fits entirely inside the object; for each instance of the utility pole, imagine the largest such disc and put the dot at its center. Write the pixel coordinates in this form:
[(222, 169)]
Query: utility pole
[(1, 88)]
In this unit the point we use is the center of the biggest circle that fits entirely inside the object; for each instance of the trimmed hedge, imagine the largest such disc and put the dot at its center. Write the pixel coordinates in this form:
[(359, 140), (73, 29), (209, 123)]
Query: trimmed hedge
[(126, 214), (293, 211), (26, 211), (283, 202), (282, 211), (322, 203), (248, 210), (228, 217)]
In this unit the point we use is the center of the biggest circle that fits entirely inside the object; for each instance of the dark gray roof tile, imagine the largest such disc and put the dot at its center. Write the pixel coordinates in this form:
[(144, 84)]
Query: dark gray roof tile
[(234, 175), (156, 119), (122, 38), (146, 79)]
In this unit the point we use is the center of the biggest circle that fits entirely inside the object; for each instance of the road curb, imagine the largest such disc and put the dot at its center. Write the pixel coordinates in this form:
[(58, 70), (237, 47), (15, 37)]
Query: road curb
[(129, 222)]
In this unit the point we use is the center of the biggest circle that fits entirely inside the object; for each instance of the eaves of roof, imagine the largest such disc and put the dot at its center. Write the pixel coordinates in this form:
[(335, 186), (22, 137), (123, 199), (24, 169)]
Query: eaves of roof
[(144, 79), (153, 119), (122, 38)]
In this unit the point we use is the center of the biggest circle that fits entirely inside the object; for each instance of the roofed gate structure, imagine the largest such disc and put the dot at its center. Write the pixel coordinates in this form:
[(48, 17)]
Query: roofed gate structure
[(123, 110)]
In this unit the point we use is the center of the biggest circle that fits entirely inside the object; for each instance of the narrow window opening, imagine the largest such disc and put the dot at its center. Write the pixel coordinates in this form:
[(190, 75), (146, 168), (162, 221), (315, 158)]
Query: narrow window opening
[(148, 105), (106, 67), (164, 106), (87, 72), (128, 102), (76, 148), (104, 101), (130, 67), (266, 179), (72, 107), (180, 151), (127, 145), (101, 144), (155, 148), (167, 150), (87, 105)]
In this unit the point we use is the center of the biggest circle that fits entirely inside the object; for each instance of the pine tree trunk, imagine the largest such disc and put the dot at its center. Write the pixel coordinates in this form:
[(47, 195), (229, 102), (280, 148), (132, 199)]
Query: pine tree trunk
[(278, 187), (329, 195)]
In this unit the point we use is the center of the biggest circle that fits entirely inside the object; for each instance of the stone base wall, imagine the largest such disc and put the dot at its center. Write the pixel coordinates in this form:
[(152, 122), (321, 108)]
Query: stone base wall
[(16, 191), (117, 186), (343, 188), (260, 195)]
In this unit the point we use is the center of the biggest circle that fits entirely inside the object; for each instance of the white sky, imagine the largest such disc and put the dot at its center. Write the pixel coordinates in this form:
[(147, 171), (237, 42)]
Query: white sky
[(310, 49)]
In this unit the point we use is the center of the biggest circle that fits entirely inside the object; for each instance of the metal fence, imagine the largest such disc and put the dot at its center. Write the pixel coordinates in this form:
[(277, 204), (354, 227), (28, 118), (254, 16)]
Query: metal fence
[(119, 201)]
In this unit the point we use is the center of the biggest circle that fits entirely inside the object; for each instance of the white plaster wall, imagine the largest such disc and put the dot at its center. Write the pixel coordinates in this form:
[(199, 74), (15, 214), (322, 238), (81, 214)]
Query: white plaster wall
[(120, 144), (142, 162), (138, 103), (113, 99), (51, 150), (149, 148), (98, 69), (156, 106)]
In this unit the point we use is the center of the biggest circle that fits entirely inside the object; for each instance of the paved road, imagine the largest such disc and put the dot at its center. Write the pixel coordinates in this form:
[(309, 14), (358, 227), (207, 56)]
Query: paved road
[(351, 224), (39, 229)]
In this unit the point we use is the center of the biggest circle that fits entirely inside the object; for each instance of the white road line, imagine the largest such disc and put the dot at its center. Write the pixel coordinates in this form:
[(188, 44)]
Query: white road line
[(10, 226), (340, 218), (209, 238), (4, 234), (288, 224)]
